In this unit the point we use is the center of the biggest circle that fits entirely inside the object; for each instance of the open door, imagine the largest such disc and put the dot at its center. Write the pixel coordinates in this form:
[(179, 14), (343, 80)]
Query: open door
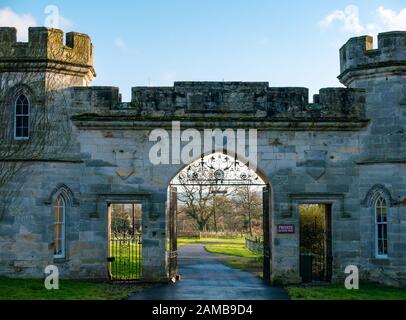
[(267, 234), (173, 246), (316, 259)]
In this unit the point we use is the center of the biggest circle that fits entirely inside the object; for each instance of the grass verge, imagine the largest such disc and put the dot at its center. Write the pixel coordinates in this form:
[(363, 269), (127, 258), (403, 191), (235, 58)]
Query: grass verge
[(236, 249), (245, 264), (339, 292), (236, 255), (33, 289)]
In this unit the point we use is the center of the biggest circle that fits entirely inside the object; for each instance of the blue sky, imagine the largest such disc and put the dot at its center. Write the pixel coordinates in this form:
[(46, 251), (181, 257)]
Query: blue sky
[(156, 42)]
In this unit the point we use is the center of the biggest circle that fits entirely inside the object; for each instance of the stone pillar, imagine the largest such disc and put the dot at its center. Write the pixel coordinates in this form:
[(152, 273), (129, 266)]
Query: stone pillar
[(154, 239)]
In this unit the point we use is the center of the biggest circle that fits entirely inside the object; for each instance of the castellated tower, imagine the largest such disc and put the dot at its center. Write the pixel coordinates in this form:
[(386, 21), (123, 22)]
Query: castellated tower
[(359, 61), (381, 163), (382, 73), (45, 62), (39, 75)]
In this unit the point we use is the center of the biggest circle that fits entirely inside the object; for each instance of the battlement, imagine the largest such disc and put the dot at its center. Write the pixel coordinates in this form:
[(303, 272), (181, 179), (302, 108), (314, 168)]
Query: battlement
[(230, 102), (46, 49), (254, 99), (359, 58)]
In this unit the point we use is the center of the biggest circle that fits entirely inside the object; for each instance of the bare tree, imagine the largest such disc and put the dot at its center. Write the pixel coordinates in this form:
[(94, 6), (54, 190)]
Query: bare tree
[(207, 195), (198, 203), (249, 204)]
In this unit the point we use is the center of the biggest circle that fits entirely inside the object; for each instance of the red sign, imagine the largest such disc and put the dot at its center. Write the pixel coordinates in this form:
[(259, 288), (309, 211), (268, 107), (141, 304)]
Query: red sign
[(286, 228)]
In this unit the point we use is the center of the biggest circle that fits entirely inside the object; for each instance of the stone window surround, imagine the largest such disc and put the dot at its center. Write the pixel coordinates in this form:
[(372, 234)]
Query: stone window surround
[(11, 97), (62, 190), (60, 203), (21, 95), (380, 203), (376, 191)]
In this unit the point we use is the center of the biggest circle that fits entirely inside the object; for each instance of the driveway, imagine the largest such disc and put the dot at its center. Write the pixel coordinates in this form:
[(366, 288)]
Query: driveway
[(205, 277)]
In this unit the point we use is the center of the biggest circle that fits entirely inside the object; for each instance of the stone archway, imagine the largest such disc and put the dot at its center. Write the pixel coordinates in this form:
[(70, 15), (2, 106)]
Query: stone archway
[(218, 169)]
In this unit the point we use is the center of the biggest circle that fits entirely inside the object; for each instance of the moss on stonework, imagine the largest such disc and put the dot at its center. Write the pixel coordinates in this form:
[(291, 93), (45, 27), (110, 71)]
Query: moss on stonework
[(111, 117)]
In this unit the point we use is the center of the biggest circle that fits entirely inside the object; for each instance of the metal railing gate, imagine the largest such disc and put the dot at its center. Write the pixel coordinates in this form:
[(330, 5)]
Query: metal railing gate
[(125, 257)]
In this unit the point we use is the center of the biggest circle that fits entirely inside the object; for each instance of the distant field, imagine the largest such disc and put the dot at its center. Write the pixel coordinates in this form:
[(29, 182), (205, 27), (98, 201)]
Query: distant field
[(183, 241)]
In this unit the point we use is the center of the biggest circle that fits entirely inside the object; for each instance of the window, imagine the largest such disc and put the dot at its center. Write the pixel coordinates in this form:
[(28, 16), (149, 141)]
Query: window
[(21, 118), (381, 228), (59, 227)]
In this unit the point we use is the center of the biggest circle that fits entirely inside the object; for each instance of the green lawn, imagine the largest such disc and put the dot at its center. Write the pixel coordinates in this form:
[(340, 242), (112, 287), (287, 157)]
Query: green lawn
[(233, 252), (235, 255), (236, 249), (127, 263), (33, 289), (183, 241), (338, 292)]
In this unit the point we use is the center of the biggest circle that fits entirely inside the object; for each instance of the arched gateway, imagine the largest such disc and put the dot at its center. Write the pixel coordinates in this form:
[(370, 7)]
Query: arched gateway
[(330, 153), (215, 171)]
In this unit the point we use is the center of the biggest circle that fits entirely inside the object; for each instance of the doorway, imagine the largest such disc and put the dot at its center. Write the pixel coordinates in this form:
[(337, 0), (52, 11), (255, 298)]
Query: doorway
[(124, 241), (315, 242)]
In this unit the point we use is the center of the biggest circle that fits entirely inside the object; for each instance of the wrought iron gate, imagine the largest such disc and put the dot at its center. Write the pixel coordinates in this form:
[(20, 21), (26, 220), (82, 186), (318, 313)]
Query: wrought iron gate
[(267, 235), (125, 256), (173, 244)]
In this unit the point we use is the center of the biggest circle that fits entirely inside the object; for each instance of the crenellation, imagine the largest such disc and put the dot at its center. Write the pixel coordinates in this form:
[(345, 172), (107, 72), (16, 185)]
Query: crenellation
[(343, 101), (8, 36), (359, 59), (394, 41), (46, 50), (95, 98), (236, 98)]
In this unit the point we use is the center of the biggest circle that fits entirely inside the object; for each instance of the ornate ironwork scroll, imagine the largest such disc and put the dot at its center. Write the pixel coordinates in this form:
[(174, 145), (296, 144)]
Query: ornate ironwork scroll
[(217, 169)]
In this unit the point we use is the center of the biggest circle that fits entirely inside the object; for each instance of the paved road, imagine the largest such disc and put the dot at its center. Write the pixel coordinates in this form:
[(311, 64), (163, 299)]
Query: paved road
[(204, 277)]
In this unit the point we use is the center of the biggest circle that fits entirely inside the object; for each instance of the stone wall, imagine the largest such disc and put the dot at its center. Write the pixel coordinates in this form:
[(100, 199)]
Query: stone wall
[(381, 165), (334, 150)]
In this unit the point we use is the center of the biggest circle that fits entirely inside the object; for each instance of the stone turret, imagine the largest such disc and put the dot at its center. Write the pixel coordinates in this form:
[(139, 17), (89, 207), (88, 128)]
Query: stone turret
[(46, 52), (358, 59)]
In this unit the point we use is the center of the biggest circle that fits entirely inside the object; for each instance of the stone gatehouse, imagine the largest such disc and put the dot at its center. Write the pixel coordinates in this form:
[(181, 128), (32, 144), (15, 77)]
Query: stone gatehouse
[(75, 148)]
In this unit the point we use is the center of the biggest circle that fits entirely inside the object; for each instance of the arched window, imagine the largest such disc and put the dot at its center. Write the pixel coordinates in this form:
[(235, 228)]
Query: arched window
[(21, 118), (381, 228), (59, 227)]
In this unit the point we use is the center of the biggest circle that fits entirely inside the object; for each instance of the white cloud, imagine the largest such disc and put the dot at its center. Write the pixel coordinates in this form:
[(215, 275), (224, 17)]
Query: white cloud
[(9, 18), (350, 22), (349, 18), (391, 20)]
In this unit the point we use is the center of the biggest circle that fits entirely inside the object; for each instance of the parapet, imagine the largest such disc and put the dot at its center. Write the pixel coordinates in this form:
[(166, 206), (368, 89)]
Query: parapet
[(88, 99), (46, 49), (247, 99), (359, 59)]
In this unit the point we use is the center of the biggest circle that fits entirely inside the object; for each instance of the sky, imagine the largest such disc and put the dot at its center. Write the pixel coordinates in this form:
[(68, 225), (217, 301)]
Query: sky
[(156, 42)]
